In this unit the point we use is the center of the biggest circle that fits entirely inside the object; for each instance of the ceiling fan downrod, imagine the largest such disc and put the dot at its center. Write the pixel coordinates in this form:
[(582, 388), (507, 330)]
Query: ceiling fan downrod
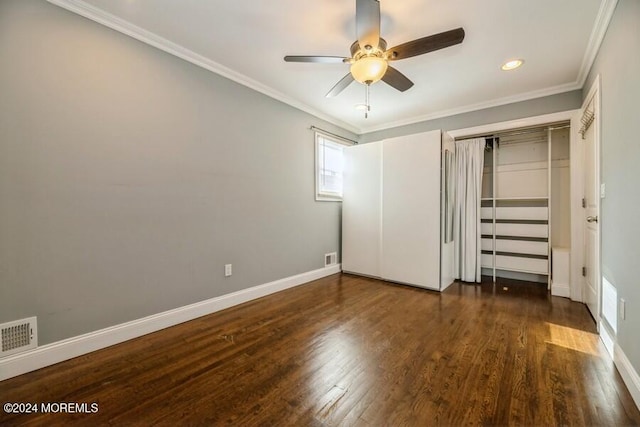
[(367, 101), (370, 59)]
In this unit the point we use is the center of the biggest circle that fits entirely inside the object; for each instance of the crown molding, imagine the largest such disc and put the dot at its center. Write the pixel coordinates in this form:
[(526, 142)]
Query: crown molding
[(628, 373), (605, 13), (490, 128), (477, 106), (125, 27), (599, 30)]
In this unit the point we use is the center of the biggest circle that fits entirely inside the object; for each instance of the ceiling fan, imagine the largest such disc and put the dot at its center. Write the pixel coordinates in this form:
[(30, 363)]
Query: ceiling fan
[(369, 54)]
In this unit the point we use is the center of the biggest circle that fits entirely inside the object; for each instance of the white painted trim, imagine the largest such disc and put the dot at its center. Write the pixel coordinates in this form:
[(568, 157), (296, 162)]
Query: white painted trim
[(125, 27), (628, 373), (98, 15), (475, 107), (56, 352), (512, 124), (599, 30), (607, 338), (561, 290), (605, 13)]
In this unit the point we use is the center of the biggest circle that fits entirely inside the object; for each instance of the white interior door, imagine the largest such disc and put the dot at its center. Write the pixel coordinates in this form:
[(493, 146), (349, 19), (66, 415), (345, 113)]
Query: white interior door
[(361, 209), (411, 210), (592, 290)]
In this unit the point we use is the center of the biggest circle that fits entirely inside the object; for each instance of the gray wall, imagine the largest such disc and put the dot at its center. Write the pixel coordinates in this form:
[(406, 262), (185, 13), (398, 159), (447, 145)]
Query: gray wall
[(618, 65), (533, 107), (129, 177)]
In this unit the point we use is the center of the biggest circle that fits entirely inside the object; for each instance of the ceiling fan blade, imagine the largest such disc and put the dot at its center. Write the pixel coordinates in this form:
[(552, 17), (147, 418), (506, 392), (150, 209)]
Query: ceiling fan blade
[(426, 44), (316, 59), (396, 79), (340, 86), (368, 23)]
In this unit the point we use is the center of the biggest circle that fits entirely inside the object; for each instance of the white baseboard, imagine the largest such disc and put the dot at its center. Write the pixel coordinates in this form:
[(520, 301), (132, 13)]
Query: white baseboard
[(628, 373), (561, 290), (446, 285), (56, 352), (607, 337)]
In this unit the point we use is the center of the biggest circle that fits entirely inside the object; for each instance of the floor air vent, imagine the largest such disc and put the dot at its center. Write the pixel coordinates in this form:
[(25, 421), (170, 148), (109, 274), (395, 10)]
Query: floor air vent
[(19, 335)]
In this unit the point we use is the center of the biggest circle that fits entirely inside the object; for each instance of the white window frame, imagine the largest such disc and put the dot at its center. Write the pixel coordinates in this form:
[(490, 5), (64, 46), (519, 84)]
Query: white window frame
[(325, 196)]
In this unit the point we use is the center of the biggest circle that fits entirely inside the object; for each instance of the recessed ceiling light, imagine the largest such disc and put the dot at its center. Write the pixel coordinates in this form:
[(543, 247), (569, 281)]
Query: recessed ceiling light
[(361, 107), (512, 64)]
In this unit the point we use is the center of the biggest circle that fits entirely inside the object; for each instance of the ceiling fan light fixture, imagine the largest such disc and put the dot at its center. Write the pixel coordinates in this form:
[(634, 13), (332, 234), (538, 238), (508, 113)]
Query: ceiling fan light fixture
[(369, 53), (512, 64), (369, 69)]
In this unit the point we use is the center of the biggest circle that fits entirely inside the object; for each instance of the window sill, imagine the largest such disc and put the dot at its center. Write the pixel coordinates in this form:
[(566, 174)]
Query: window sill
[(328, 198)]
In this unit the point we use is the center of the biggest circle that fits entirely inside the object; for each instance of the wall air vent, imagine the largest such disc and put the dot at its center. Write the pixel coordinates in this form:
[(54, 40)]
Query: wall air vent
[(18, 336), (330, 259)]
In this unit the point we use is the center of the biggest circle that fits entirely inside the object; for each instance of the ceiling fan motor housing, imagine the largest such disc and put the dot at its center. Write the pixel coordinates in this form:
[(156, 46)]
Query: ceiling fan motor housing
[(370, 58), (357, 52)]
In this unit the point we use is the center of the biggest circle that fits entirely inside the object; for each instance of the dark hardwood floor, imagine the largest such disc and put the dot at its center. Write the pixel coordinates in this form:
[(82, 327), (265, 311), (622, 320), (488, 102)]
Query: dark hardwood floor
[(346, 350)]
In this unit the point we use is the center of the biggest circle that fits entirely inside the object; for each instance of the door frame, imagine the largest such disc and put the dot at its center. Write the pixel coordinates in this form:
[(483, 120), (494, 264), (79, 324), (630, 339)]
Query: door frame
[(577, 177), (576, 173)]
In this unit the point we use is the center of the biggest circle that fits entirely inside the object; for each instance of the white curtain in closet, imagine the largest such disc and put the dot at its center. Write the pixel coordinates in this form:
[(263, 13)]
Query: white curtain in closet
[(466, 217)]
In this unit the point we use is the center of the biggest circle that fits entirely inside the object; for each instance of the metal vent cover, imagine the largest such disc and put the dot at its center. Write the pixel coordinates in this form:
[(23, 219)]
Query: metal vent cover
[(330, 259), (18, 336)]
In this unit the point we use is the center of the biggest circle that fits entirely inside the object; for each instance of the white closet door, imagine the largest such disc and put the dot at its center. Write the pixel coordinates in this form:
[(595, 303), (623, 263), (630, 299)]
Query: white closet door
[(361, 209), (411, 210)]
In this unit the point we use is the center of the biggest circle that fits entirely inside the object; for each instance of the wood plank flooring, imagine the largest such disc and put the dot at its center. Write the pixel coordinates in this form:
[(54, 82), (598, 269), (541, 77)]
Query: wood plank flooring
[(346, 350)]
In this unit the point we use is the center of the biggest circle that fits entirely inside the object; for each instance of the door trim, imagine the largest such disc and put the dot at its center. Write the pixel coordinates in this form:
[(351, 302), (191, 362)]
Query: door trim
[(576, 171), (512, 124)]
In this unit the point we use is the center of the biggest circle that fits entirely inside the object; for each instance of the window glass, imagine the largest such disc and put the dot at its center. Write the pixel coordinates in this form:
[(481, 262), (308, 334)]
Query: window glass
[(329, 167)]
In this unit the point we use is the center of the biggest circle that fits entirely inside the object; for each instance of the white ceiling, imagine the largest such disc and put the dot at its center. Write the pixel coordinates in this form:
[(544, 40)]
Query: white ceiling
[(246, 40)]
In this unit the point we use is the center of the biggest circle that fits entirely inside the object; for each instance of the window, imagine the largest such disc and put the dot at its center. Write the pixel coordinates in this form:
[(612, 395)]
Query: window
[(329, 165)]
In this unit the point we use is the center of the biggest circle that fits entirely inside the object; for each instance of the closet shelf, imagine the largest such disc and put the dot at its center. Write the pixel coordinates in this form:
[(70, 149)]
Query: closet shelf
[(516, 198), (523, 271), (515, 220)]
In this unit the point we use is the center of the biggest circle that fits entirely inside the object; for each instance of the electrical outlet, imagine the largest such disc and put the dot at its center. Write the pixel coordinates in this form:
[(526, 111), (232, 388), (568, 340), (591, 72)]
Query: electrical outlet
[(228, 270), (603, 190), (623, 304)]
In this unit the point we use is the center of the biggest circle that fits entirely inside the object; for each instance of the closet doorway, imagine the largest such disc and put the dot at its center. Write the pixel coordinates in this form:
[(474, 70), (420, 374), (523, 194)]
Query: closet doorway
[(525, 214), (538, 233)]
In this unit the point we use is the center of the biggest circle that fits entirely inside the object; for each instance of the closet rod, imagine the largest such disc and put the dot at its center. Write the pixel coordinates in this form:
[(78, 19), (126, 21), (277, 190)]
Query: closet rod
[(524, 131)]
